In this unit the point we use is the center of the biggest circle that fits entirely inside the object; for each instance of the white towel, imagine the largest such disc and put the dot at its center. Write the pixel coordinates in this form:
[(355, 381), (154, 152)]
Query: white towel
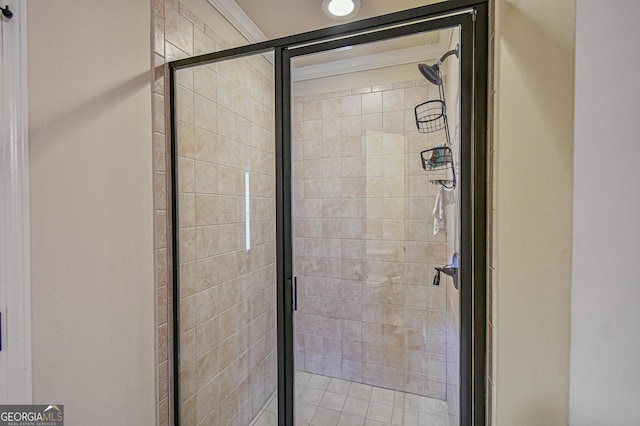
[(444, 197)]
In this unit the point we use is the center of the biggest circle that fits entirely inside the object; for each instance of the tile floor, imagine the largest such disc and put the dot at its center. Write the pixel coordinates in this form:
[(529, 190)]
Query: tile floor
[(324, 401)]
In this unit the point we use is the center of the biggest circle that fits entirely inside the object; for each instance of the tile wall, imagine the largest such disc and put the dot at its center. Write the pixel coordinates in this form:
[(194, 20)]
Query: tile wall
[(227, 268), (363, 240), (451, 71), (226, 176)]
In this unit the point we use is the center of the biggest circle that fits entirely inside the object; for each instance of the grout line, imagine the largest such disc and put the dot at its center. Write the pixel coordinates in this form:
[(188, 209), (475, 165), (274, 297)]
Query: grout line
[(403, 407)]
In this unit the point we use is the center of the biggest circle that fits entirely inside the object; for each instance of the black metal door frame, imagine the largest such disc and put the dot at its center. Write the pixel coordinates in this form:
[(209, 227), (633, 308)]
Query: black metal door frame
[(472, 17)]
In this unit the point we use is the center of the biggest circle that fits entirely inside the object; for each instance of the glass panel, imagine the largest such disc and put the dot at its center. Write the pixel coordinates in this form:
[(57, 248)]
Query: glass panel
[(376, 336), (227, 244)]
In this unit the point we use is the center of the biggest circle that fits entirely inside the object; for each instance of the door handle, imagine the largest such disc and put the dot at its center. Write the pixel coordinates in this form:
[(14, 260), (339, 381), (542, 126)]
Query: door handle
[(295, 293)]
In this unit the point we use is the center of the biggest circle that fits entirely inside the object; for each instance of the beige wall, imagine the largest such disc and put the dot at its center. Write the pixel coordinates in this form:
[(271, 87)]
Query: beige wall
[(91, 209), (605, 347), (533, 219)]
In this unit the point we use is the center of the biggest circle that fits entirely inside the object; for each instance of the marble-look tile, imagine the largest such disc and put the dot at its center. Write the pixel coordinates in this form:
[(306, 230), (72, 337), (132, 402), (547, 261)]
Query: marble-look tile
[(178, 30)]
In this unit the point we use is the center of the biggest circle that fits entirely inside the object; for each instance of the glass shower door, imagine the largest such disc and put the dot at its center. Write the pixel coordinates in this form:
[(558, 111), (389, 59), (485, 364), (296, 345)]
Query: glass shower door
[(328, 225), (224, 160), (376, 212)]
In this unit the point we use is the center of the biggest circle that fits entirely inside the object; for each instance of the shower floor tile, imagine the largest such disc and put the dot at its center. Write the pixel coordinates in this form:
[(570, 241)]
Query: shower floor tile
[(328, 401)]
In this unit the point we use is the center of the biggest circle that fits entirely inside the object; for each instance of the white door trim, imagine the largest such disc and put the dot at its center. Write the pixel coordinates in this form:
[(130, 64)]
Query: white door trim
[(15, 286)]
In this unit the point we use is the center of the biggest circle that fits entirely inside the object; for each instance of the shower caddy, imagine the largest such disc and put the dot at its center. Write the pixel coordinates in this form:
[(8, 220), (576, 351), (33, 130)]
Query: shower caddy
[(431, 116)]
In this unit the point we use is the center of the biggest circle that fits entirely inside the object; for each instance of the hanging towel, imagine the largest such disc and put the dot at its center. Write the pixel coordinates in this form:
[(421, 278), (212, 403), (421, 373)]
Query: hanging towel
[(444, 197)]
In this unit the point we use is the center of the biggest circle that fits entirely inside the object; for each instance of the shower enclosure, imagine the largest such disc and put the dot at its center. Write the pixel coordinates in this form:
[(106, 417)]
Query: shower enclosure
[(364, 248), (328, 246)]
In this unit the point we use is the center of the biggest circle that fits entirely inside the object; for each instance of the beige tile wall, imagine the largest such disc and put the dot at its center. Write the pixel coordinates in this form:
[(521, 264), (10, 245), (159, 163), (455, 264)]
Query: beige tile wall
[(225, 128), (363, 242), (451, 73), (162, 220), (226, 177)]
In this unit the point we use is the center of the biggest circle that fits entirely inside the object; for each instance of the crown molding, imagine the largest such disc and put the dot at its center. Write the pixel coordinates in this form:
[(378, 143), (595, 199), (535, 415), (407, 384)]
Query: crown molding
[(239, 19), (368, 62)]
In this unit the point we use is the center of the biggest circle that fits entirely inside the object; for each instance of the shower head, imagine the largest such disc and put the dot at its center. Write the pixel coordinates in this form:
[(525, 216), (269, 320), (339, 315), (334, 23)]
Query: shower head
[(432, 72)]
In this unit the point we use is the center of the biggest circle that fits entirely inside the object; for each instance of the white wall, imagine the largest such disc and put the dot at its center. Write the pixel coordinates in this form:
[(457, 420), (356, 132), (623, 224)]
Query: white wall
[(91, 209), (605, 318), (532, 237)]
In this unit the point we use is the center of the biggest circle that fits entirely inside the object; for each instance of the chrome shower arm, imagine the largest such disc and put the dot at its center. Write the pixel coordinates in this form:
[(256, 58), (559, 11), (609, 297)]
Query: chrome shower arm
[(455, 51)]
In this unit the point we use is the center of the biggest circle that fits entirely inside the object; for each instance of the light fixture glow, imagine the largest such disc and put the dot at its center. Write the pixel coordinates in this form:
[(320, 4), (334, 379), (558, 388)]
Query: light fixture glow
[(340, 8)]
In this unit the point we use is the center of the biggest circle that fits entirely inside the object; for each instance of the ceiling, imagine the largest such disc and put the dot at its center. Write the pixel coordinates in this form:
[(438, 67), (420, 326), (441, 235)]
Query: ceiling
[(279, 18), (260, 20)]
